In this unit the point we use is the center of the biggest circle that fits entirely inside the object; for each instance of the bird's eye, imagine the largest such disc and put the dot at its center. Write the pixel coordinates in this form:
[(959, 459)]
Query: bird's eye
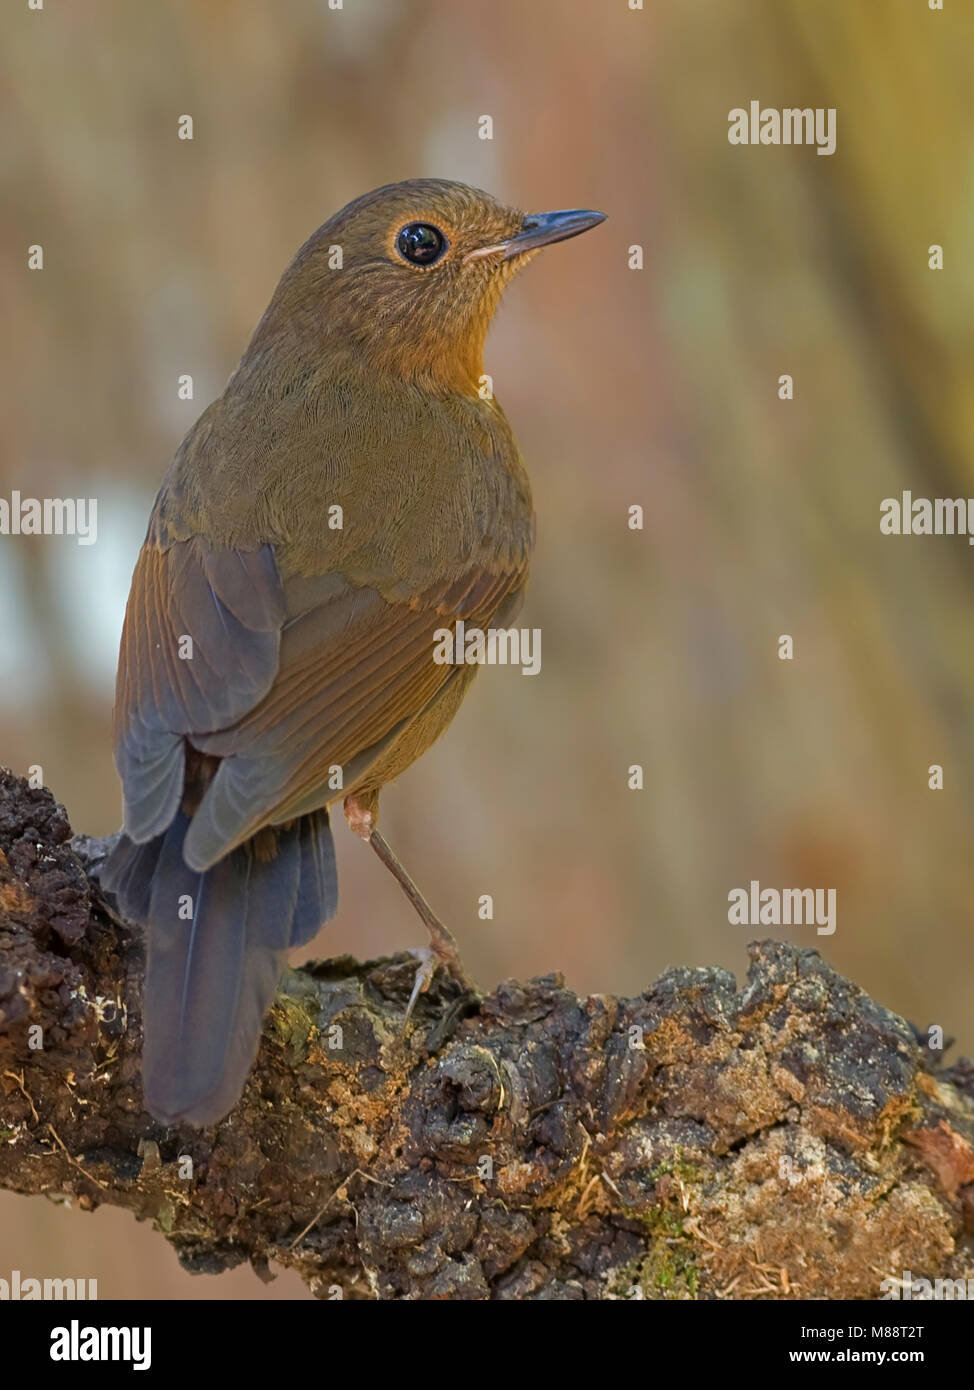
[(420, 243)]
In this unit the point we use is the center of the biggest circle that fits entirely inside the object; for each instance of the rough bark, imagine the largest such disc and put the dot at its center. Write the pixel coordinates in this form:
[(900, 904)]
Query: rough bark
[(791, 1139)]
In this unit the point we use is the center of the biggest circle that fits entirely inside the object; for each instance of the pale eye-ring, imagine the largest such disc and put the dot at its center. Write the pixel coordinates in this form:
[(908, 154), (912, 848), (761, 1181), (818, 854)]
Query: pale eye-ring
[(420, 243)]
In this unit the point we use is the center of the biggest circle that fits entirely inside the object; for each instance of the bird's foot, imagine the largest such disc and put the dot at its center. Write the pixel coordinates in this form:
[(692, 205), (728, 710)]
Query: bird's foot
[(441, 952)]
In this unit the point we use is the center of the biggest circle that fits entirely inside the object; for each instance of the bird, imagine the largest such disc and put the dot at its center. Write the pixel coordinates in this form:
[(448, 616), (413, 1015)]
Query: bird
[(354, 490)]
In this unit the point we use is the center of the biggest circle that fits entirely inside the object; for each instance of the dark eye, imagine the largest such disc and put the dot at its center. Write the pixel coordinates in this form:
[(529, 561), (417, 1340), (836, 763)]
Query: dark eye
[(421, 244)]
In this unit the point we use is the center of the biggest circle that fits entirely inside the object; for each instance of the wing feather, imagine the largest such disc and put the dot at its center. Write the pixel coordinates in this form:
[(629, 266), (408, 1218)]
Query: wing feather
[(286, 679), (354, 669), (230, 605)]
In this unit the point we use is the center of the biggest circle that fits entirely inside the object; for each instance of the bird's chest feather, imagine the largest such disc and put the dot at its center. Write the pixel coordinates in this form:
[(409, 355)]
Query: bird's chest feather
[(381, 482)]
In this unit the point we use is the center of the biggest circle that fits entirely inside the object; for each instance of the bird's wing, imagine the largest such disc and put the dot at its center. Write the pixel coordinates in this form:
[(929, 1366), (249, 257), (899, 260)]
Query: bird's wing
[(281, 681), (354, 669), (200, 647)]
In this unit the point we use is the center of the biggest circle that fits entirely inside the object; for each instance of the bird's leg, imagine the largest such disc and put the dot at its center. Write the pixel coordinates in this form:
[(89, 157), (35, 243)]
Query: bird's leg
[(360, 812), (442, 941)]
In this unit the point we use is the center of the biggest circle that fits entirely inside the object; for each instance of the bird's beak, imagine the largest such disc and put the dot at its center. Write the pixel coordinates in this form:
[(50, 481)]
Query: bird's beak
[(541, 229)]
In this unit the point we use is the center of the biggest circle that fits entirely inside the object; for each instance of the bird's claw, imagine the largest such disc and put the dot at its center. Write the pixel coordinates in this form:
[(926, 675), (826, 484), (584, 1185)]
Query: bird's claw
[(431, 959), (424, 978)]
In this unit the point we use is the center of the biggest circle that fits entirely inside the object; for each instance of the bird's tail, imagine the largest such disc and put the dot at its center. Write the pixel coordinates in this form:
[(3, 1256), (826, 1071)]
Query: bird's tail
[(217, 946)]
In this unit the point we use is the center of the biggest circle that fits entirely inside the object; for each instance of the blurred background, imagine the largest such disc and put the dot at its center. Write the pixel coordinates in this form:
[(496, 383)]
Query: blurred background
[(656, 387)]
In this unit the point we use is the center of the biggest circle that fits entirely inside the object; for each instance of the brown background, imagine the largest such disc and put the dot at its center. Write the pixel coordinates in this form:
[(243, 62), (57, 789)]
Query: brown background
[(656, 387)]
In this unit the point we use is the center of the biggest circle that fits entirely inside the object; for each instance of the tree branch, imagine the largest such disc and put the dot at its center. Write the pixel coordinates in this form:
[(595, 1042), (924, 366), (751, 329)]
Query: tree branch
[(790, 1139)]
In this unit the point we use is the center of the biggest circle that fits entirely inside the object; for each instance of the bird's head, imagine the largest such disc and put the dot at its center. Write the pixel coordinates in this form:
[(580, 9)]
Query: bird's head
[(409, 276)]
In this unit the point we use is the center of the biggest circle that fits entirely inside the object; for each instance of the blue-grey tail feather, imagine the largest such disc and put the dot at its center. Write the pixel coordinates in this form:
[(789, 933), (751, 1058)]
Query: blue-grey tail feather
[(217, 945), (318, 896)]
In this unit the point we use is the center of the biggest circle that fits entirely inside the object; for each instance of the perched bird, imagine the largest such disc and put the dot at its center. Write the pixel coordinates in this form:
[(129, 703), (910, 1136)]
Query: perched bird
[(351, 492)]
